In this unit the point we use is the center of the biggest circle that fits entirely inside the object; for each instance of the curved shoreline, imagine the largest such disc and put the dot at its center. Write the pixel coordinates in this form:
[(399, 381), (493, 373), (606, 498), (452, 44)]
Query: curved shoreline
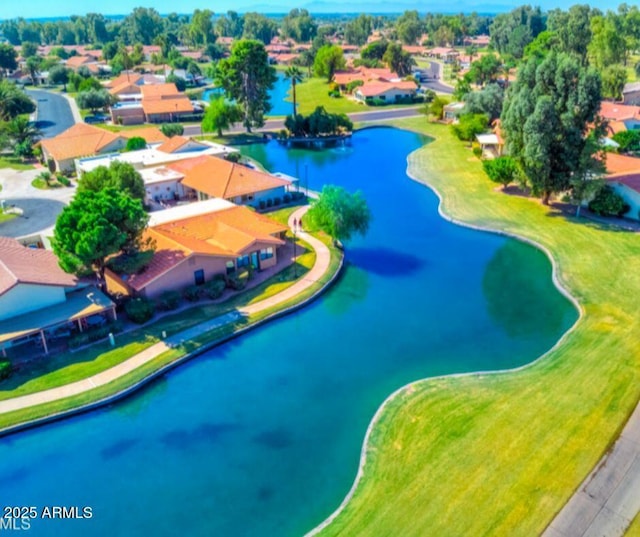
[(129, 390), (376, 417)]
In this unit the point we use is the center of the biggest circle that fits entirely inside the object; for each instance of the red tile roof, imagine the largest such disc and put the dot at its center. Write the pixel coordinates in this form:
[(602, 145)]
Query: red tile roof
[(226, 233), (632, 180), (19, 264), (81, 140), (618, 112), (622, 164), (373, 89), (221, 178)]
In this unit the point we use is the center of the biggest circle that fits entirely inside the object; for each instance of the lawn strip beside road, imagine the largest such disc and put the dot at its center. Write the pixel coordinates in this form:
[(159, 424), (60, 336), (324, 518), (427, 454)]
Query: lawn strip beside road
[(253, 308), (500, 454)]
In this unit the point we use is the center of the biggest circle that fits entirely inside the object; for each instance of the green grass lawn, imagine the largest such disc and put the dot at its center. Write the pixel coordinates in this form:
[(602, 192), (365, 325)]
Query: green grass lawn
[(4, 217), (14, 163), (314, 91), (41, 184), (501, 454)]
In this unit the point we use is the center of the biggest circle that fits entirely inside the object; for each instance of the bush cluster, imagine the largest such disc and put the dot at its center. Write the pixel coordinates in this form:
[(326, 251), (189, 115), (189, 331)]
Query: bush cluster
[(139, 310)]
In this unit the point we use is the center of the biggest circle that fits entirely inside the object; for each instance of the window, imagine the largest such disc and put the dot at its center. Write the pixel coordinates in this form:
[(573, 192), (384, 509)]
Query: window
[(266, 253), (243, 261), (198, 276), (230, 267), (247, 197)]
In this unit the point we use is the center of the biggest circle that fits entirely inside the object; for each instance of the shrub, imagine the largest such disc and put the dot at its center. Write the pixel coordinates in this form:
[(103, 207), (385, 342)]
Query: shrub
[(286, 198), (377, 101), (214, 288), (136, 143), (607, 202), (172, 129), (192, 293), (237, 282), (130, 264), (51, 164), (94, 334), (477, 150), (353, 85), (139, 310), (63, 180), (5, 369), (169, 300)]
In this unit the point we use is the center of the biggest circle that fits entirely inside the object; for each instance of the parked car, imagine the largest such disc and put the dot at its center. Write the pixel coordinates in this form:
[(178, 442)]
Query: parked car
[(98, 118)]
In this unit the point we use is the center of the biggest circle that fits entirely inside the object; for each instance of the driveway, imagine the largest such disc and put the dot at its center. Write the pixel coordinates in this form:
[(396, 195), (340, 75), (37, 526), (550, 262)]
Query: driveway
[(53, 115), (40, 208)]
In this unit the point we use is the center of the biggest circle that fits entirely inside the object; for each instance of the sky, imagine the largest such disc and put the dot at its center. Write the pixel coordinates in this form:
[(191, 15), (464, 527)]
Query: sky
[(49, 8)]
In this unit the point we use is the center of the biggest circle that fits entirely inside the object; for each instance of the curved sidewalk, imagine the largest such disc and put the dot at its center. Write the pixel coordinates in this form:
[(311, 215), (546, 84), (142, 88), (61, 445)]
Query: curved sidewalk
[(319, 269)]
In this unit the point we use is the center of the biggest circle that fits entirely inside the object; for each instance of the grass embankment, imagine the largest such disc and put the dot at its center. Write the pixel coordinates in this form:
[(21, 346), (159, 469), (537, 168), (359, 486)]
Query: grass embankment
[(313, 92), (69, 367), (501, 454), (6, 216)]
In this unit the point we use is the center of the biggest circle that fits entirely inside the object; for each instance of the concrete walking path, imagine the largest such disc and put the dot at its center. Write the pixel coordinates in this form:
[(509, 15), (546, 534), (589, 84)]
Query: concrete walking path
[(608, 500), (317, 272)]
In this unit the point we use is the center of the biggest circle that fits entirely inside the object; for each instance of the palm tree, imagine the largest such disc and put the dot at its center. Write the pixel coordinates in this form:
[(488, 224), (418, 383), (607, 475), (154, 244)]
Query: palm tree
[(294, 74), (22, 134)]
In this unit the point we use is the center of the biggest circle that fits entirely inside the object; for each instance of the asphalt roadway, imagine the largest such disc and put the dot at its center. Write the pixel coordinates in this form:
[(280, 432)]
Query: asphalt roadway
[(369, 116), (53, 114)]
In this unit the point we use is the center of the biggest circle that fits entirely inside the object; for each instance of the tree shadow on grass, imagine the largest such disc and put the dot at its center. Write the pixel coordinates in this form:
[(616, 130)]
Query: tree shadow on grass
[(591, 220)]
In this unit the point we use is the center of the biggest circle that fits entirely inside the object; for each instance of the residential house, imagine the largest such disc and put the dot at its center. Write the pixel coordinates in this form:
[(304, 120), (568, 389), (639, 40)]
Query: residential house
[(620, 116), (623, 175), (126, 86), (631, 93), (479, 41), (211, 177), (197, 242), (159, 103), (446, 54), (79, 141), (90, 62), (389, 92), (84, 140), (37, 297)]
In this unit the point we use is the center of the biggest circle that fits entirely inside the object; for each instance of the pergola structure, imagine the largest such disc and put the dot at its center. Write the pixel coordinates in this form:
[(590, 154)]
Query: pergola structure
[(78, 306)]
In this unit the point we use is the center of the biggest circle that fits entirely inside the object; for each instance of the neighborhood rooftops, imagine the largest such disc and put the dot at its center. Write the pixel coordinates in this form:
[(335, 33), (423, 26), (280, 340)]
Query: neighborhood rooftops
[(623, 169), (373, 89), (221, 178), (19, 264)]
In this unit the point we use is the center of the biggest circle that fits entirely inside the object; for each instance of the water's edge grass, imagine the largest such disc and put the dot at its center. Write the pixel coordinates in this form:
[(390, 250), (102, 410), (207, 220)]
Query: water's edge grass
[(432, 459)]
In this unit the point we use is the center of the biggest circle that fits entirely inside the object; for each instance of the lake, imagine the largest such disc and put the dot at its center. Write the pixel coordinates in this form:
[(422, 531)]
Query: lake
[(261, 436)]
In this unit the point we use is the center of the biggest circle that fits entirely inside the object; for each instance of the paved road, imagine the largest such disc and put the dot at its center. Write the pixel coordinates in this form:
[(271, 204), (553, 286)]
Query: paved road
[(607, 501), (38, 214), (372, 115), (53, 115), (433, 80)]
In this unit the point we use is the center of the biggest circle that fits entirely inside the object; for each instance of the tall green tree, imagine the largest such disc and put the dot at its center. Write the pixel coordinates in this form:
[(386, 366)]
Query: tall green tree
[(398, 60), (201, 27), (298, 25), (96, 225), (221, 115), (329, 59), (8, 59), (512, 32), (614, 77), (59, 74), (486, 69), (257, 26), (339, 213), (572, 29), (33, 64), (358, 30), (247, 77), (13, 101), (487, 101), (121, 176), (409, 27), (546, 118), (294, 75)]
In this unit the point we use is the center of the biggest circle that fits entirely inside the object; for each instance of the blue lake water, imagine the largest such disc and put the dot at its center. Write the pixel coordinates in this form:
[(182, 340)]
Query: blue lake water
[(277, 96), (261, 436)]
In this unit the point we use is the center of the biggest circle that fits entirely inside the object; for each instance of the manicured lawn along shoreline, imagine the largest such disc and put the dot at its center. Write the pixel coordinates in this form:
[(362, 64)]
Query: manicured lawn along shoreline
[(501, 454), (100, 358)]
